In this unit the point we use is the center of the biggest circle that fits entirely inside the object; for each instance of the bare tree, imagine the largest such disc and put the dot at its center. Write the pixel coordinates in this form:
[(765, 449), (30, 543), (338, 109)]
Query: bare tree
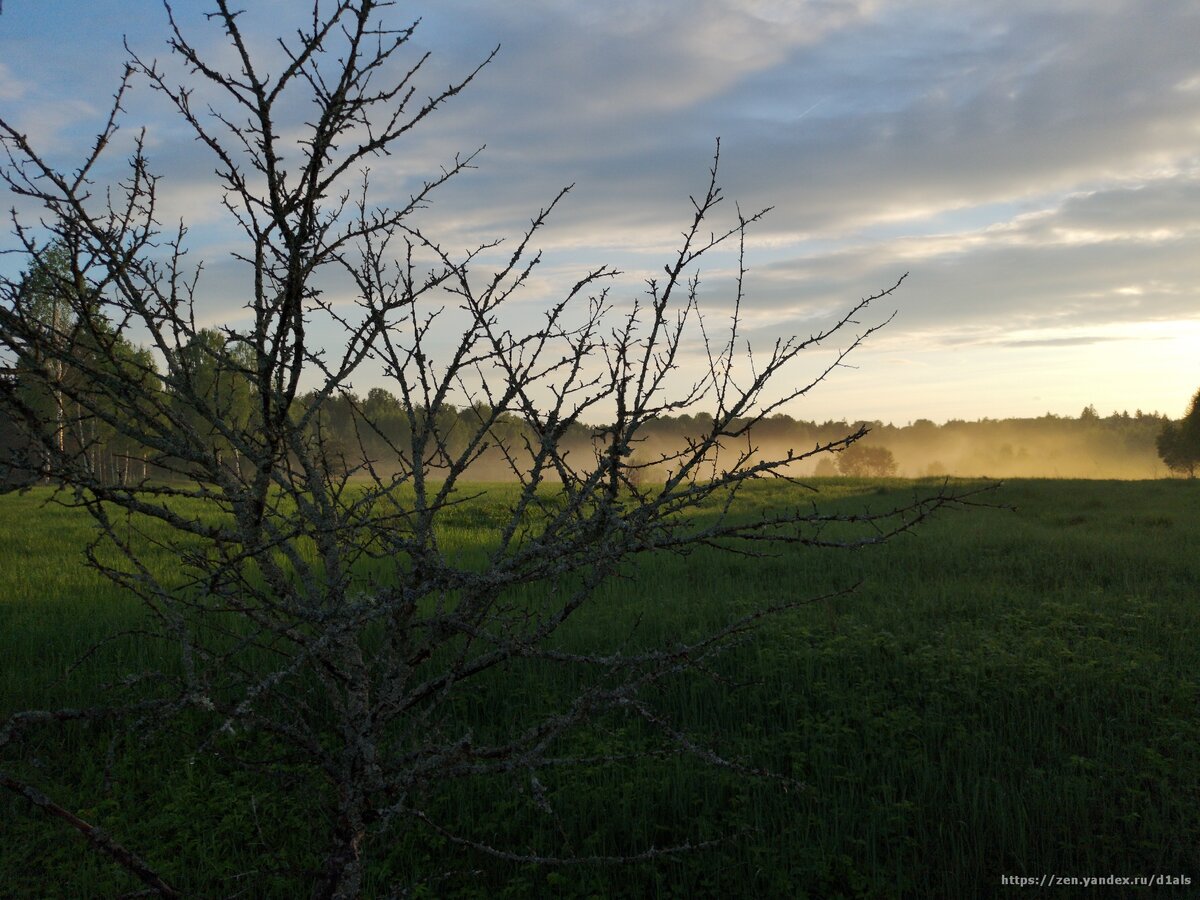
[(315, 606)]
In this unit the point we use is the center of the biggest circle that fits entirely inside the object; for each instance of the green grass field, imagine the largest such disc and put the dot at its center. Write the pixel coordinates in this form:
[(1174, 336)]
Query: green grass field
[(1007, 693)]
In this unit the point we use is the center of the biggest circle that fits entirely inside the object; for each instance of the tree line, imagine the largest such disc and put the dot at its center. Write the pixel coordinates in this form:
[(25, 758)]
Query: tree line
[(372, 433)]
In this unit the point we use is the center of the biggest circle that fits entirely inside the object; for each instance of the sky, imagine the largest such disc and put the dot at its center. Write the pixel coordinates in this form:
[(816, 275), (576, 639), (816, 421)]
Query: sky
[(1034, 168)]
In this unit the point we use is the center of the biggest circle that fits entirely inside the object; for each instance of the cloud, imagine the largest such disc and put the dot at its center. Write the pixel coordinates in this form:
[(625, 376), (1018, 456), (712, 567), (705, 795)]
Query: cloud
[(11, 87), (627, 59), (1081, 341), (1034, 166)]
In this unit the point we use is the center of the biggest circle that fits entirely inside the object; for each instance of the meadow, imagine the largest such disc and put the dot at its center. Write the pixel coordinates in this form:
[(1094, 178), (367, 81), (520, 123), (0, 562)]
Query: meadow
[(1008, 692)]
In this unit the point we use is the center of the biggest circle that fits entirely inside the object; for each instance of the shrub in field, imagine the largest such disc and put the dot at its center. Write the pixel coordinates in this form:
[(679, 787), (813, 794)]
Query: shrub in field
[(865, 461), (319, 619)]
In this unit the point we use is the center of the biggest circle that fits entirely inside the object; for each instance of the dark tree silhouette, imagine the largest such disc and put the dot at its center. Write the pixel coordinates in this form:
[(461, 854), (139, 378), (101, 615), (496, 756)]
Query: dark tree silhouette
[(1179, 442), (319, 619)]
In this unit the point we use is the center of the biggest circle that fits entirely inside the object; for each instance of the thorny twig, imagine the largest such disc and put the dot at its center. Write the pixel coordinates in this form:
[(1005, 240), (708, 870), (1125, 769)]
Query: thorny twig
[(313, 601)]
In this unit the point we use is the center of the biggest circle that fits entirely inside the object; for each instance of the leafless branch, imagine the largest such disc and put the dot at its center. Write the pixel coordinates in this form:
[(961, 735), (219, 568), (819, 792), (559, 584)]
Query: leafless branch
[(314, 600)]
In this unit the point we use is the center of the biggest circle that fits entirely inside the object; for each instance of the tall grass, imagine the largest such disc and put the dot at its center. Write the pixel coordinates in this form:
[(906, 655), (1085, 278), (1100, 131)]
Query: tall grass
[(1005, 693)]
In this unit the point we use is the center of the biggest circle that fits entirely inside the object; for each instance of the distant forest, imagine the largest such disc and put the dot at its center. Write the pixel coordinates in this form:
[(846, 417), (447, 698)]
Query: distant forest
[(208, 391), (1120, 445), (373, 430)]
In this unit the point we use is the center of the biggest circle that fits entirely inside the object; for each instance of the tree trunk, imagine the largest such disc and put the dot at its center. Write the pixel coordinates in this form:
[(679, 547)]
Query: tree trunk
[(341, 878)]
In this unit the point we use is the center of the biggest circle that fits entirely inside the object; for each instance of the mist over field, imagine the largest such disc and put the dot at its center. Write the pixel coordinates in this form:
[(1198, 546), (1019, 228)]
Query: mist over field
[(1118, 446), (1025, 449)]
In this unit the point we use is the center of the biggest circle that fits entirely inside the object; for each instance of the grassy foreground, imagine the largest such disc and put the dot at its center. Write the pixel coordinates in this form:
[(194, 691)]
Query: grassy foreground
[(1007, 694)]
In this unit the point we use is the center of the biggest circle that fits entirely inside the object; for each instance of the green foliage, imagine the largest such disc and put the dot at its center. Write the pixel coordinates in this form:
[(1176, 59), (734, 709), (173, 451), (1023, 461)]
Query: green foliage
[(1178, 443), (50, 403), (1011, 693), (212, 390), (862, 461)]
